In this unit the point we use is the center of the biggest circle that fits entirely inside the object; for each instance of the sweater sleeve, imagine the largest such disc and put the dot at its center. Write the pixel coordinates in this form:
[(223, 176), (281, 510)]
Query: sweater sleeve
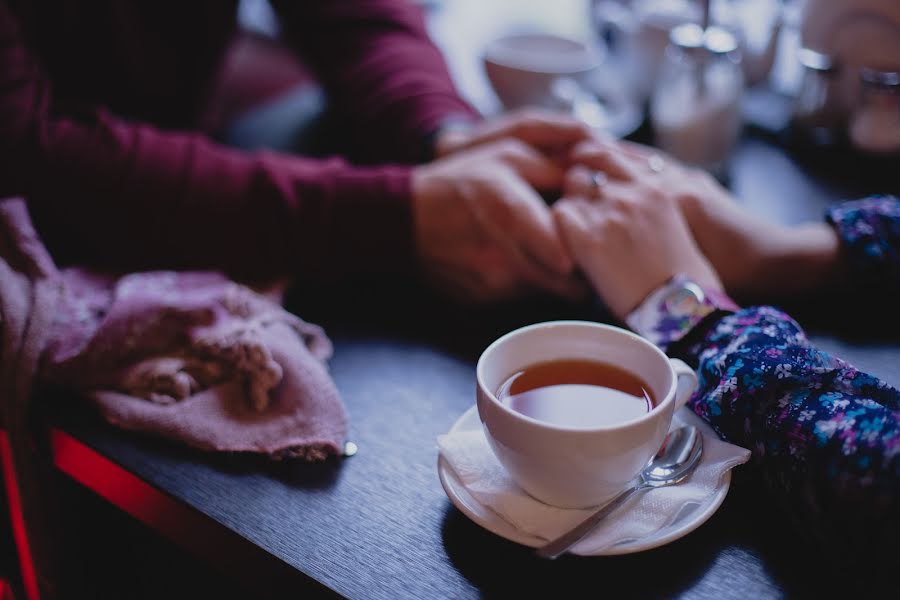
[(825, 435), (126, 194), (385, 78), (870, 235)]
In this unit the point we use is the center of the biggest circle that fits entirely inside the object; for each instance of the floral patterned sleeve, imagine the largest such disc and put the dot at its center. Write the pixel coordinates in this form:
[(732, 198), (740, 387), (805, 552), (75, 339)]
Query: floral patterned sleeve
[(870, 232), (825, 435)]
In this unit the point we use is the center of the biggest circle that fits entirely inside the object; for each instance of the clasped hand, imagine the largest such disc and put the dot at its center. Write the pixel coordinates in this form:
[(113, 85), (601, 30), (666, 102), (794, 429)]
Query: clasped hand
[(484, 233), (628, 219)]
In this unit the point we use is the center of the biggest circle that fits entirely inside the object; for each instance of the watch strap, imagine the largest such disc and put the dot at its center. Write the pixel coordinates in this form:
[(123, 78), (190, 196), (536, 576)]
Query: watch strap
[(674, 309)]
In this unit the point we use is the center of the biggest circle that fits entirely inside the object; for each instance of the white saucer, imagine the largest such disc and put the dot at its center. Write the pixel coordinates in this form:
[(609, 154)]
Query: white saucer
[(690, 517)]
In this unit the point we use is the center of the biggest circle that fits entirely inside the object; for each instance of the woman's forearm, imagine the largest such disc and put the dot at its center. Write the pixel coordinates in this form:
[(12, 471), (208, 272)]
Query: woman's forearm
[(825, 436), (803, 258)]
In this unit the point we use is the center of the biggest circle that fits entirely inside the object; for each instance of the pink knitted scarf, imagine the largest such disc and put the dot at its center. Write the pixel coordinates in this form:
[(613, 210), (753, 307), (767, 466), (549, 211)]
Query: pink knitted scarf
[(193, 357)]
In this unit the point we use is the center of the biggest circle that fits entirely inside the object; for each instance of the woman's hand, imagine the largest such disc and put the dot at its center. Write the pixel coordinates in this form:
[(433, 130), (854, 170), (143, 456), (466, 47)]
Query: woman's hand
[(630, 239), (482, 232), (753, 256)]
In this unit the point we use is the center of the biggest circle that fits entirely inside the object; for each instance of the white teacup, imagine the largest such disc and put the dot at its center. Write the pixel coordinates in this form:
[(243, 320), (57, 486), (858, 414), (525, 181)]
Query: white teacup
[(573, 467), (523, 68)]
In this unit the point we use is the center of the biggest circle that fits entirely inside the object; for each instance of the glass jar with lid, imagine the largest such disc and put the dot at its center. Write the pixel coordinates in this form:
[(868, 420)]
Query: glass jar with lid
[(696, 105), (875, 124), (817, 110)]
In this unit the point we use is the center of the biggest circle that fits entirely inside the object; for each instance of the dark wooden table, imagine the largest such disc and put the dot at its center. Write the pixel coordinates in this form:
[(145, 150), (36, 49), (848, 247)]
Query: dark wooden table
[(378, 525)]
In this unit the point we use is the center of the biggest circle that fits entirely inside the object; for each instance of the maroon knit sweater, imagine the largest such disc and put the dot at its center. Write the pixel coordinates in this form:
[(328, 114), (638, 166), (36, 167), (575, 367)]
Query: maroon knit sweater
[(99, 106)]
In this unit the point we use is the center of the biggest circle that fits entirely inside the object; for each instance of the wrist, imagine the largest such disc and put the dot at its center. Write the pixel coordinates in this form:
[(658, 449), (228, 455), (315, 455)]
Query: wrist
[(424, 183), (821, 254), (673, 309), (369, 225), (449, 141), (806, 257), (427, 187), (453, 134)]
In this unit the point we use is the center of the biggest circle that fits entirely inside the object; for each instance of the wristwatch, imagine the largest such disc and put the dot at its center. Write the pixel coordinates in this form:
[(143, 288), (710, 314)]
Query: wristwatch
[(675, 308)]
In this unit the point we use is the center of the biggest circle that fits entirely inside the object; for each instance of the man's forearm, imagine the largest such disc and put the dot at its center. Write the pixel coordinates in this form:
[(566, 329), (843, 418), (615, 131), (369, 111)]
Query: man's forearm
[(385, 78)]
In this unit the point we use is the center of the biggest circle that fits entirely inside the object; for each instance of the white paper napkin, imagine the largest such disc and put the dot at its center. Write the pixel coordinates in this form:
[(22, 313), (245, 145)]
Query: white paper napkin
[(468, 454)]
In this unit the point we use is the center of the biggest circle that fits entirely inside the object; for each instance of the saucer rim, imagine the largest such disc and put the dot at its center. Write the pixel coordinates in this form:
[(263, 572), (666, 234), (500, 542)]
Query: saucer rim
[(451, 484)]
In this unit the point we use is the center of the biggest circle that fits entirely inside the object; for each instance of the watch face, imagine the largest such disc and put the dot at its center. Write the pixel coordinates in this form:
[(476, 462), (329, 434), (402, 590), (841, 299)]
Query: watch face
[(686, 300)]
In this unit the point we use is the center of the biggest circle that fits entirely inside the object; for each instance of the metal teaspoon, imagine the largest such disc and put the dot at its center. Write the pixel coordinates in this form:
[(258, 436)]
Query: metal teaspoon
[(675, 461)]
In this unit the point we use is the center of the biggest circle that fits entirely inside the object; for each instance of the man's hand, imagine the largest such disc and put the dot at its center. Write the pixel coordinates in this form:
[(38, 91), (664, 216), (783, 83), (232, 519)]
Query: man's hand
[(553, 133), (482, 232)]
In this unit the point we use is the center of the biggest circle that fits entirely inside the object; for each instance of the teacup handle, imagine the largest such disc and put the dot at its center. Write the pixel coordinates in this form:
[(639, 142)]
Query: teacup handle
[(687, 382)]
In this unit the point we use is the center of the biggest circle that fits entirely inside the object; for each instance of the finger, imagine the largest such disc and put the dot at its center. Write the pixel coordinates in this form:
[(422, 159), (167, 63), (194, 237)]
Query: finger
[(517, 272), (635, 150), (579, 181), (535, 168), (546, 129), (570, 287), (645, 158), (517, 219), (503, 275), (491, 277), (605, 157), (579, 225), (472, 289), (575, 221), (591, 184), (606, 195)]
